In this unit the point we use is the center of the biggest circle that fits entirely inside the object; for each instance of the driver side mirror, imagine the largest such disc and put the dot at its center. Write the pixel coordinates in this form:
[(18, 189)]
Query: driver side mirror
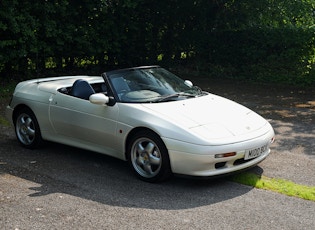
[(99, 99), (189, 83)]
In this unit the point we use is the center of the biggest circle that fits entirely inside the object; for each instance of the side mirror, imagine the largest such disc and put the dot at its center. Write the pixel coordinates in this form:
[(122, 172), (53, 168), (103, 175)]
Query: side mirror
[(99, 99), (189, 83)]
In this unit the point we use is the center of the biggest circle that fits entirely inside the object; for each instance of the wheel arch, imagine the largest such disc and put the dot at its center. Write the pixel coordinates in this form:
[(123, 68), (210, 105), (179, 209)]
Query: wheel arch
[(161, 169), (19, 108), (132, 133), (36, 136)]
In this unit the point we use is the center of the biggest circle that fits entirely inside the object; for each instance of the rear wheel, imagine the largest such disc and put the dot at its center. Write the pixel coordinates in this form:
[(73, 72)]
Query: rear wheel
[(27, 128), (148, 157)]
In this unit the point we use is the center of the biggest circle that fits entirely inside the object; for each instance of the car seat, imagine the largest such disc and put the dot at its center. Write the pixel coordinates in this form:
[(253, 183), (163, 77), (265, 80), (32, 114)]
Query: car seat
[(81, 89)]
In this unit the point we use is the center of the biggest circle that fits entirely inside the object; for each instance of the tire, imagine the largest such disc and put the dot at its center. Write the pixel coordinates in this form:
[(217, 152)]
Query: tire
[(27, 129), (148, 157)]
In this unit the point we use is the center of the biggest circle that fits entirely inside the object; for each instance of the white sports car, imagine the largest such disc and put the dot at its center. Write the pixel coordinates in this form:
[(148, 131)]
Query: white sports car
[(158, 122)]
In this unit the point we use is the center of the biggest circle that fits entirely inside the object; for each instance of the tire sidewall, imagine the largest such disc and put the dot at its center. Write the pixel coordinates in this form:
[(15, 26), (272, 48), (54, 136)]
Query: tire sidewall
[(165, 170), (37, 137)]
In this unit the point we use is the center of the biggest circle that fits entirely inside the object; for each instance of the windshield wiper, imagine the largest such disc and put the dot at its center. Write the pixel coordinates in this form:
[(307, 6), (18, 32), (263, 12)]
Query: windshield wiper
[(174, 95)]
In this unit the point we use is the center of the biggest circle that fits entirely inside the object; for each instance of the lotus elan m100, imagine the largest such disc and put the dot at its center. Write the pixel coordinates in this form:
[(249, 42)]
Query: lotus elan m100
[(159, 123)]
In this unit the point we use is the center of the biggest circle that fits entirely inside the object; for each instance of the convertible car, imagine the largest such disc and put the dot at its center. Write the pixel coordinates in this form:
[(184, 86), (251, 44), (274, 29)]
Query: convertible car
[(159, 123)]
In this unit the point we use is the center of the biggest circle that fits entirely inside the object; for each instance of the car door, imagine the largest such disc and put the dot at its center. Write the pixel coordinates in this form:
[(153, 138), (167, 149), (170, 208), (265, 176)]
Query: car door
[(78, 120)]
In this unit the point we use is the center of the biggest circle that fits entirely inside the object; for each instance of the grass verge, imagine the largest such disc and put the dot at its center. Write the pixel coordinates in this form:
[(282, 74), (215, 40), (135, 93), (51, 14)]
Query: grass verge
[(282, 186), (4, 121)]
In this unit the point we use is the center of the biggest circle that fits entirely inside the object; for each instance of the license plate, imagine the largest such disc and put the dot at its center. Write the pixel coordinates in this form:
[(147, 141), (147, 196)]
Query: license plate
[(253, 153)]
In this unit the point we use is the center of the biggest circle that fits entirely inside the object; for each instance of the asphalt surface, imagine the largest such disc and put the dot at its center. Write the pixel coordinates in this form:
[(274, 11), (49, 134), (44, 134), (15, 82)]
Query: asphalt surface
[(60, 187)]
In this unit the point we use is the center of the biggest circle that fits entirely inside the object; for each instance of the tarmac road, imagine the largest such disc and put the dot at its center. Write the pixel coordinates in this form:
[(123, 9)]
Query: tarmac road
[(60, 187)]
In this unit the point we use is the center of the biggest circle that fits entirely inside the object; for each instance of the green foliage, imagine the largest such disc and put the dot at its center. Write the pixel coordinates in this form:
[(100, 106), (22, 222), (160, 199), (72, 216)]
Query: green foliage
[(268, 13), (275, 55), (267, 40), (7, 88)]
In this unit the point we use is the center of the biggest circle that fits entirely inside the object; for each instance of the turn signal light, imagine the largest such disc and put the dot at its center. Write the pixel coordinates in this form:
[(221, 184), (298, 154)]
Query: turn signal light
[(272, 140), (222, 155)]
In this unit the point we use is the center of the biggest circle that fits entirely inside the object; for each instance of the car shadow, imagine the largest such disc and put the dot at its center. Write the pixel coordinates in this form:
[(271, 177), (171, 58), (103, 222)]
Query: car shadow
[(59, 169)]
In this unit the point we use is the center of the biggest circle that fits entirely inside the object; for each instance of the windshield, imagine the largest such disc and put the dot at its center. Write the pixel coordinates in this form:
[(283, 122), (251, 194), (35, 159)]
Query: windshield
[(150, 84)]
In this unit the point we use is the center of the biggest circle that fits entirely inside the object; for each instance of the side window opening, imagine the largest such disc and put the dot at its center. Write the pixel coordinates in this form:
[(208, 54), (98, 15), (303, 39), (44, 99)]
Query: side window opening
[(98, 88)]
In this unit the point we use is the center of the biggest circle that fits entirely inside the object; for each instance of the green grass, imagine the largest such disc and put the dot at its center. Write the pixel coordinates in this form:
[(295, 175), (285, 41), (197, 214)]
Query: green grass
[(281, 186), (4, 121)]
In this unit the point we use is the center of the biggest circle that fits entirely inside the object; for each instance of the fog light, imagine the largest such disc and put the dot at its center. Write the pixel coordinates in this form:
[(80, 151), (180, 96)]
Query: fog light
[(222, 155)]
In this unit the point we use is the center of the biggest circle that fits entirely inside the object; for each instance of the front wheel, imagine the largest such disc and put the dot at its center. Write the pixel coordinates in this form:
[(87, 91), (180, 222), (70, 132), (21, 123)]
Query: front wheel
[(27, 129), (148, 157)]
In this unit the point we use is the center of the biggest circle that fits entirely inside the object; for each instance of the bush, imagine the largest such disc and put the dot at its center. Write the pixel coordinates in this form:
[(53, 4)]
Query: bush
[(276, 55)]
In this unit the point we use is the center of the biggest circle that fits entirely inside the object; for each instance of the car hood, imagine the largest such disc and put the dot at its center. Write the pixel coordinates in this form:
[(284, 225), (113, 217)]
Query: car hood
[(211, 117)]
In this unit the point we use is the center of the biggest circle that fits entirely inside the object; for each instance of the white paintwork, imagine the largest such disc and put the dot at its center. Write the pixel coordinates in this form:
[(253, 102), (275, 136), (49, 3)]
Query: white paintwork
[(193, 130), (99, 99)]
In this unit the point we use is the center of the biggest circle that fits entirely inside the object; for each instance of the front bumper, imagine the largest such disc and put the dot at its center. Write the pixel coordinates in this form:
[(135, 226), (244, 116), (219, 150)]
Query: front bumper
[(9, 114), (196, 160)]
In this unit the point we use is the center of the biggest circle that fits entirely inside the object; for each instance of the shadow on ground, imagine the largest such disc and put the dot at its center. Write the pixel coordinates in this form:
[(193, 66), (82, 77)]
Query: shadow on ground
[(66, 170)]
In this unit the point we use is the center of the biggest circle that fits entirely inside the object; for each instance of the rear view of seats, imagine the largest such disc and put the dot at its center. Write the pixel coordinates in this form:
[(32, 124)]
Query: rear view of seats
[(81, 89)]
